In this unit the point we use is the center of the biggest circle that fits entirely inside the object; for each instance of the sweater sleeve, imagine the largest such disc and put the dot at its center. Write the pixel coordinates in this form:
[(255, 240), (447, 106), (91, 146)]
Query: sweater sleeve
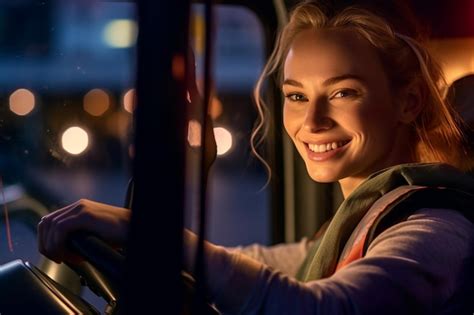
[(413, 267), (286, 258)]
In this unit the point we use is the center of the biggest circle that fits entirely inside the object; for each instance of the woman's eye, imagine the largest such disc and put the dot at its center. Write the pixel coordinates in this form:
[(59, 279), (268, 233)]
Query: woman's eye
[(295, 97), (344, 93)]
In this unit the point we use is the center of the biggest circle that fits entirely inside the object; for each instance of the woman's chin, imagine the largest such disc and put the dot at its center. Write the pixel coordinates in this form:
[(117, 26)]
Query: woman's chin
[(323, 175)]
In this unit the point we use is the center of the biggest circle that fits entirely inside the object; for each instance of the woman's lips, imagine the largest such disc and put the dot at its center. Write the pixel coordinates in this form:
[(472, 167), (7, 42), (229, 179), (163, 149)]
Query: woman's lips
[(323, 156)]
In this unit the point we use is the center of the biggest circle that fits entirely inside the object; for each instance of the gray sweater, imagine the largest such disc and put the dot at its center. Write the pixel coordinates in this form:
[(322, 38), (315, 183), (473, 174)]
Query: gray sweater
[(424, 265)]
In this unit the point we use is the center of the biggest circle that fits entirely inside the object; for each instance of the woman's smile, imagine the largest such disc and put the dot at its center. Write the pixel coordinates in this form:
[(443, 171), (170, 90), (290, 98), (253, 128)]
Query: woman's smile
[(323, 151)]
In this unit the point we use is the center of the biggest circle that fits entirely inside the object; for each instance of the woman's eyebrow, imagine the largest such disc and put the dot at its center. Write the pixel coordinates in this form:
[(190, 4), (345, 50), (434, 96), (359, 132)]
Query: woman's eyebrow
[(343, 77), (329, 81), (292, 82)]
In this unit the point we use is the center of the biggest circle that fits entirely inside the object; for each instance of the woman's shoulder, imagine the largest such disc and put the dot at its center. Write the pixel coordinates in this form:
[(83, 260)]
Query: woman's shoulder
[(429, 257), (445, 216), (427, 232)]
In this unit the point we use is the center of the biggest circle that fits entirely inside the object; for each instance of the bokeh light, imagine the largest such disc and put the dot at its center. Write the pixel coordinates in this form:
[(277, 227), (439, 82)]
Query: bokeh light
[(215, 108), (96, 102), (120, 33), (129, 100), (194, 133), (75, 140), (22, 102), (223, 140)]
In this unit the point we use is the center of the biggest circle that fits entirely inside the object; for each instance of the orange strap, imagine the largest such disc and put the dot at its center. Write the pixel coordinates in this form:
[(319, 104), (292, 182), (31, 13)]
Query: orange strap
[(354, 248)]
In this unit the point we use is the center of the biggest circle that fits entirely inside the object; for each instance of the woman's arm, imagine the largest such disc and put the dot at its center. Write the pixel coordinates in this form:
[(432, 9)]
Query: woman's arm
[(110, 223), (412, 267), (286, 258)]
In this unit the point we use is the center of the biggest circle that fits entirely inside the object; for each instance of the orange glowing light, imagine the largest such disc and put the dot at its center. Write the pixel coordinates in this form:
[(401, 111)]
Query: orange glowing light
[(129, 101), (215, 108), (96, 102), (194, 133), (22, 102)]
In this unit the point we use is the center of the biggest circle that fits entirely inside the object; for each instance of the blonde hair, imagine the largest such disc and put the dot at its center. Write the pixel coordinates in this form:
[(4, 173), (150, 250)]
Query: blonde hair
[(407, 63)]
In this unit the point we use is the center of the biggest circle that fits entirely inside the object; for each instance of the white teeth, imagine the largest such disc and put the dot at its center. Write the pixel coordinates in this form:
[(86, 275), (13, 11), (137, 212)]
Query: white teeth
[(321, 148)]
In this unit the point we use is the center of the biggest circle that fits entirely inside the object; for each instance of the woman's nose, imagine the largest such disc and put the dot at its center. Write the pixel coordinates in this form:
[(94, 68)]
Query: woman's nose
[(317, 118)]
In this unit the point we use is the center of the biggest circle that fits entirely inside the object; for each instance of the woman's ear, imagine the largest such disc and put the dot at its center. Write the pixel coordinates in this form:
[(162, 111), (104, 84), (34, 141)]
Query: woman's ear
[(410, 104)]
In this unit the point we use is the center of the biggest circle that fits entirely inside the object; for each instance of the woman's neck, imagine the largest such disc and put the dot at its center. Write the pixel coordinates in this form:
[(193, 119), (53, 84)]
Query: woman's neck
[(349, 184)]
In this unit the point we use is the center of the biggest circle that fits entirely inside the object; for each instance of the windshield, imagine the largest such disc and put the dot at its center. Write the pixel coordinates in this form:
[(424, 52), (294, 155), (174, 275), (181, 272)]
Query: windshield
[(67, 98), (66, 116), (66, 84)]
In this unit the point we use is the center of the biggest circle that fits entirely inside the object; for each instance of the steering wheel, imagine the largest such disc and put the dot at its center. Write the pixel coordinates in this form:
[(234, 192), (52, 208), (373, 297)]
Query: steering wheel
[(101, 269), (104, 266)]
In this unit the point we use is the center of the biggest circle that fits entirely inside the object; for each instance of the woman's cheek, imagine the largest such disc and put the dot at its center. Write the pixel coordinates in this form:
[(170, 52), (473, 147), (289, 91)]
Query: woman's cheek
[(290, 121)]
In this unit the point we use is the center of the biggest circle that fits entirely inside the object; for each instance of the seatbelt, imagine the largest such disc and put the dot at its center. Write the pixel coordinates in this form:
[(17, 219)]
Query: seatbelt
[(358, 241)]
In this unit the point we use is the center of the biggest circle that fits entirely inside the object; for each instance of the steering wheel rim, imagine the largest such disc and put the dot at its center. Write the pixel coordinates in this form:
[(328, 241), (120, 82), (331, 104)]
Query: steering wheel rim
[(111, 266), (102, 268), (103, 257)]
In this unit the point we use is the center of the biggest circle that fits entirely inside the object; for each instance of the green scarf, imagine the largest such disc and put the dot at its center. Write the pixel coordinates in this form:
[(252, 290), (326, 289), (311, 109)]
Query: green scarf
[(323, 256)]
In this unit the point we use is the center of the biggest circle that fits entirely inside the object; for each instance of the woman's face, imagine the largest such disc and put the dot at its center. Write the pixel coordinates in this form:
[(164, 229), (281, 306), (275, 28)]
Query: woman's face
[(339, 108)]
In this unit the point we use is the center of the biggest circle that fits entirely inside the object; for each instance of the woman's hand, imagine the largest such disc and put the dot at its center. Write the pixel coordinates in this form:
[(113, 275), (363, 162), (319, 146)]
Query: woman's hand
[(107, 222)]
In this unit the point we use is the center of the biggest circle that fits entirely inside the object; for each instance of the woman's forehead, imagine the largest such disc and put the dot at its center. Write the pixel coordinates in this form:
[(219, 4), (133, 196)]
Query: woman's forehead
[(331, 52)]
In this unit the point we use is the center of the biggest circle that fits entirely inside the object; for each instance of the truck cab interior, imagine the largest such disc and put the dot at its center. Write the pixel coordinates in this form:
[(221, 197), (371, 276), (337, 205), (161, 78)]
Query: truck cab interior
[(95, 93)]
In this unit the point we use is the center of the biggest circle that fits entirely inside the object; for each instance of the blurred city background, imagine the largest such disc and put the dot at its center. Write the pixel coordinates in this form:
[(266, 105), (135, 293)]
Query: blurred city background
[(67, 73)]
